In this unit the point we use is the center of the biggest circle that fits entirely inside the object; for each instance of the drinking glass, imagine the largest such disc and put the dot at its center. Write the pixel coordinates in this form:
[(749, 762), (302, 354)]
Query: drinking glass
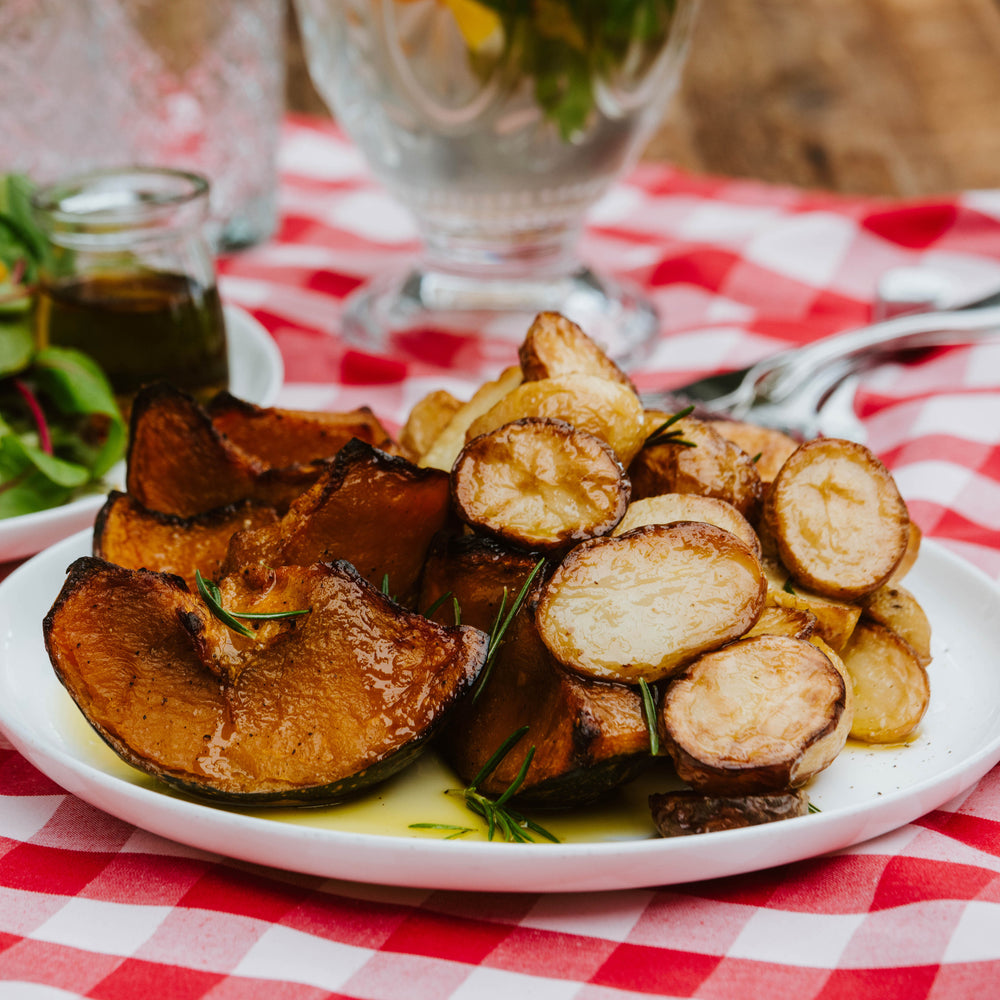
[(498, 124)]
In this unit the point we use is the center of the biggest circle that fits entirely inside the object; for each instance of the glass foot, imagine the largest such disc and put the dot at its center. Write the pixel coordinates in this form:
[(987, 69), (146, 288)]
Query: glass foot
[(433, 316)]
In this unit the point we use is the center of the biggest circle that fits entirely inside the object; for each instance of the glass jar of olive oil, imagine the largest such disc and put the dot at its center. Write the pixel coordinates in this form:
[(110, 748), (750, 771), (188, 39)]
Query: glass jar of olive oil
[(128, 278)]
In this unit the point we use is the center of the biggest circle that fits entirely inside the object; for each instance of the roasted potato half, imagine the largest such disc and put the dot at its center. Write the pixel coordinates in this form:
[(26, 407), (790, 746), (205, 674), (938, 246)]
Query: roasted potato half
[(891, 687), (643, 604), (837, 519), (682, 813), (762, 714), (668, 507), (767, 447), (452, 437), (699, 460), (601, 406), (426, 420), (539, 484), (555, 345), (897, 609)]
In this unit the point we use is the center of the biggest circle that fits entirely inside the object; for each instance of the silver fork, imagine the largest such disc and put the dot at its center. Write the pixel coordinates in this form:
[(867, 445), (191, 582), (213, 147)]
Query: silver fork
[(810, 390)]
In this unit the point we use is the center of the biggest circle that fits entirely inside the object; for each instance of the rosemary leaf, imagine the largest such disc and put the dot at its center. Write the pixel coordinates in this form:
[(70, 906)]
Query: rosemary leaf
[(500, 625), (649, 711), (212, 597)]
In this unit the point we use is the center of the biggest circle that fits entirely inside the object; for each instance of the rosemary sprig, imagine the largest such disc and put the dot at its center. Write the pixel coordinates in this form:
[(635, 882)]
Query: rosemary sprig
[(814, 809), (454, 831), (514, 826), (663, 435), (212, 597), (649, 711), (500, 625)]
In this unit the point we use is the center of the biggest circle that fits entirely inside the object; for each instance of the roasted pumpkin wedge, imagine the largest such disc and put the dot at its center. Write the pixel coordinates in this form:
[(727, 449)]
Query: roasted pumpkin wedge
[(589, 736), (128, 534), (377, 511), (759, 715), (309, 709), (280, 438), (179, 463)]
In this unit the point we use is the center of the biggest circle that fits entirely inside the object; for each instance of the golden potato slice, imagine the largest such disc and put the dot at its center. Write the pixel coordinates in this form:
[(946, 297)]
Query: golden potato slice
[(910, 555), (555, 345), (761, 714), (896, 608), (608, 409), (680, 814), (798, 623), (443, 452), (891, 688), (708, 465), (837, 518), (641, 605), (835, 620), (668, 507), (539, 484), (426, 421), (768, 447)]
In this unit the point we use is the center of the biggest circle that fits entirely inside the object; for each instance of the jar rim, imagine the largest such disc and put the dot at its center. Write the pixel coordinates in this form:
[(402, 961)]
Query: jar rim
[(116, 198)]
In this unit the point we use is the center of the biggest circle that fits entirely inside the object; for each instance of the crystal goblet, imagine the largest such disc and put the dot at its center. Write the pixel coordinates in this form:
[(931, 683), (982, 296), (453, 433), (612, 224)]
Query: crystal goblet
[(498, 124)]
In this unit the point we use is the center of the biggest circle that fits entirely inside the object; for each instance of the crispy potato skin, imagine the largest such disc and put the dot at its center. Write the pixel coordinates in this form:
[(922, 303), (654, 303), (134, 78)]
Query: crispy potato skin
[(643, 604), (309, 710), (129, 535), (680, 814), (713, 467), (539, 484), (762, 714), (836, 516)]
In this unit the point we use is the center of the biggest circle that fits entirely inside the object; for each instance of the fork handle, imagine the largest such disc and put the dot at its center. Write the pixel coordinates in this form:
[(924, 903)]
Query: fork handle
[(778, 377)]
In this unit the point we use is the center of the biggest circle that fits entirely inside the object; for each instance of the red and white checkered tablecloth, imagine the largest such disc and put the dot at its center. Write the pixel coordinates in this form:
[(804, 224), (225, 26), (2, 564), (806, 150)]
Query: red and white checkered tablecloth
[(92, 906)]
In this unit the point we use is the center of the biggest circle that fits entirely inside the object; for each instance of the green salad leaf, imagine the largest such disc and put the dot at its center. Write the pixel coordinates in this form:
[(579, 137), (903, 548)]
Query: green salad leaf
[(60, 427)]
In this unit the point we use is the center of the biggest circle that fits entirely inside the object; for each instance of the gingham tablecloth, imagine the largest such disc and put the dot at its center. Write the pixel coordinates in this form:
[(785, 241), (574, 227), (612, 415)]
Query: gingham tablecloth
[(91, 906)]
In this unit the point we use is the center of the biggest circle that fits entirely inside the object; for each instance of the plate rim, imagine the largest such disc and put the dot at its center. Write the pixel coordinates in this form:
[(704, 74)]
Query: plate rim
[(387, 859)]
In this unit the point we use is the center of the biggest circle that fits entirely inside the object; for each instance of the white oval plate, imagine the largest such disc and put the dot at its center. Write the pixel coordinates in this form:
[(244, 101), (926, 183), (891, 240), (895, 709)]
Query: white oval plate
[(867, 791), (256, 373)]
